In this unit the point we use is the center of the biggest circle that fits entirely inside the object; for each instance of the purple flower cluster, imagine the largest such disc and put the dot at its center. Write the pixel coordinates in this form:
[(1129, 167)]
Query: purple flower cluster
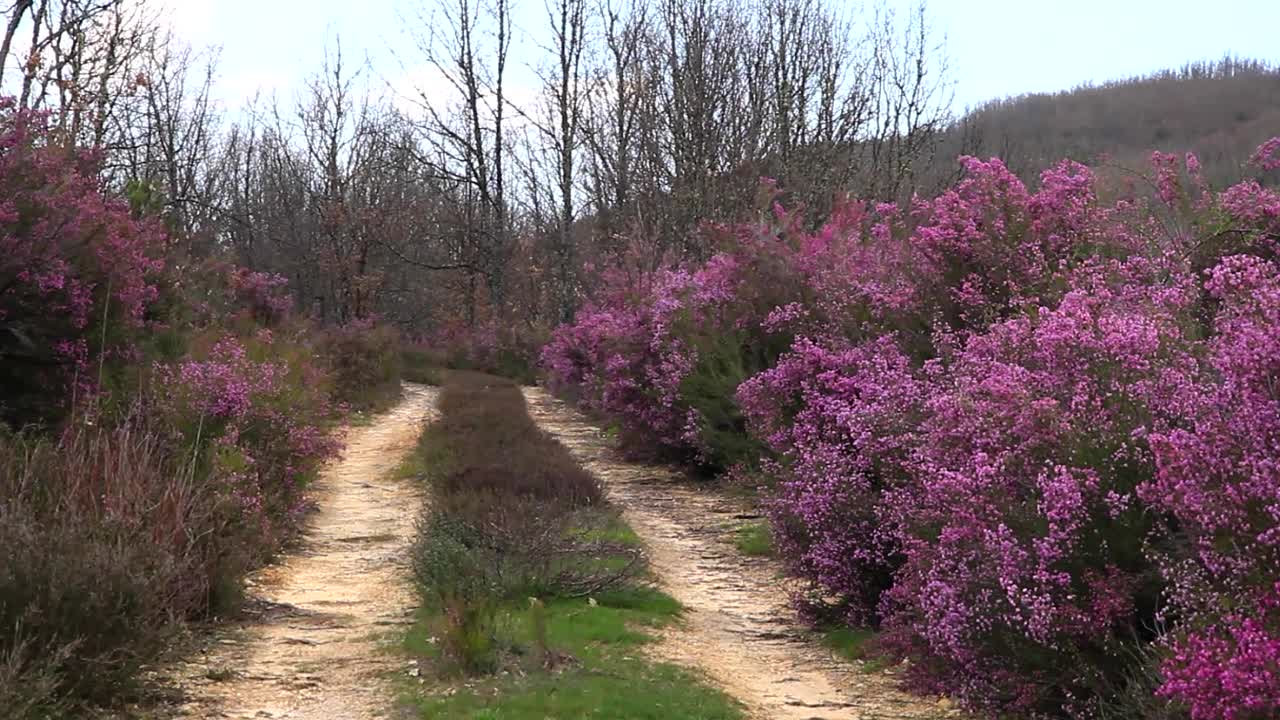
[(263, 409), (1033, 435), (633, 353), (264, 295), (71, 260), (1218, 478)]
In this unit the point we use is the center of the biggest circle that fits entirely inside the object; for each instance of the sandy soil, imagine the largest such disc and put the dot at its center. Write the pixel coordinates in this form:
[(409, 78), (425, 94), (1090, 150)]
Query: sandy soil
[(739, 629), (314, 649)]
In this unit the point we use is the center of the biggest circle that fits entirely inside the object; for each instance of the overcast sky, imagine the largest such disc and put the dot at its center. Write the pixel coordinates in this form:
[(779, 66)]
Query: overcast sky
[(997, 48)]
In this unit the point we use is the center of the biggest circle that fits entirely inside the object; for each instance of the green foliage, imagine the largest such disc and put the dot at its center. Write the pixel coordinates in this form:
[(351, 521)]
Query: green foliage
[(420, 366), (521, 567), (446, 566), (855, 644), (723, 363), (599, 673), (146, 198), (755, 539)]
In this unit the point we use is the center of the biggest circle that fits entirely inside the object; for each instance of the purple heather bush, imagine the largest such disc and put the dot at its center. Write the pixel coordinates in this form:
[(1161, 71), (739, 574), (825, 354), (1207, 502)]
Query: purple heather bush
[(77, 272), (1031, 434), (158, 426)]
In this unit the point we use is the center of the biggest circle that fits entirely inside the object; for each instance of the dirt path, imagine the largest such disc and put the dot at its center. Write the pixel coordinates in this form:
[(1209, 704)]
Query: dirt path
[(313, 652), (739, 630)]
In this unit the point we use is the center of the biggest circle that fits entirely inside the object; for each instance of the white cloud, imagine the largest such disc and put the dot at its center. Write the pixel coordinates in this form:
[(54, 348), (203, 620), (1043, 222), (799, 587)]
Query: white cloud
[(193, 20), (424, 83)]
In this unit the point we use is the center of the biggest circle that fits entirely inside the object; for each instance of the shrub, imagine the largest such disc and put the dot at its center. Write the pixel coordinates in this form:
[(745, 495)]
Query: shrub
[(512, 516), (366, 363), (663, 354), (122, 527), (1022, 535), (1218, 480), (108, 542), (255, 413), (1032, 433), (455, 571), (495, 346), (178, 413), (77, 273), (842, 427)]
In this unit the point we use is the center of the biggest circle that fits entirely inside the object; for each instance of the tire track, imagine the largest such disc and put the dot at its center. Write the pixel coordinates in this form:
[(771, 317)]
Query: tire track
[(739, 629), (314, 650)]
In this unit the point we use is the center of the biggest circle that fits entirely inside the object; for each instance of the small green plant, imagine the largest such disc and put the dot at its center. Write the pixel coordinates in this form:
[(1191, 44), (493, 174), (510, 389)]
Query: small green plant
[(595, 669), (467, 629), (755, 540), (538, 624), (856, 644)]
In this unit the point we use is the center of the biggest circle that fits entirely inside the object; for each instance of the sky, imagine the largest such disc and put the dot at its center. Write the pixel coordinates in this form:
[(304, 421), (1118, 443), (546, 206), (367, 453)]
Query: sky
[(996, 48)]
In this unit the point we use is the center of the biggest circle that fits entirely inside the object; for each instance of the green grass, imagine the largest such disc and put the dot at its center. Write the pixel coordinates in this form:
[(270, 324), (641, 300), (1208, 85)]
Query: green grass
[(420, 367), (611, 528), (600, 670), (483, 648), (855, 644), (755, 540), (430, 456)]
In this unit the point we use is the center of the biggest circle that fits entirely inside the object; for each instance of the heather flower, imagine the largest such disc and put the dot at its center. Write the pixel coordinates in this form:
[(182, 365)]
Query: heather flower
[(1267, 156), (1022, 431), (73, 261)]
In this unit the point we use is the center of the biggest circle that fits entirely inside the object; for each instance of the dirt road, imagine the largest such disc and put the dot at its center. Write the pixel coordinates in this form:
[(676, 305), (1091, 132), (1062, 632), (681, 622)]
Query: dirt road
[(323, 611), (739, 629)]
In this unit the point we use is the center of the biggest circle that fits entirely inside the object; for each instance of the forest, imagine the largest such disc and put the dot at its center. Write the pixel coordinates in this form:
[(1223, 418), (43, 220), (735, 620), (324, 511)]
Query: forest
[(736, 372)]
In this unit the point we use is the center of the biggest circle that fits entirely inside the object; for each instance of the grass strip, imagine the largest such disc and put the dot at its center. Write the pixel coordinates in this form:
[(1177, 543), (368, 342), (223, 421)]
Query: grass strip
[(535, 600)]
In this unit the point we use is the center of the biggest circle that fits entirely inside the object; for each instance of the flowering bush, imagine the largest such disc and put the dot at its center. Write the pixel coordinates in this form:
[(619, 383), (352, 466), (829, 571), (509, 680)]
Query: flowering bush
[(264, 295), (1218, 477), (77, 272), (1031, 433), (1021, 535), (841, 426), (494, 346), (663, 353), (365, 361), (184, 412), (256, 413)]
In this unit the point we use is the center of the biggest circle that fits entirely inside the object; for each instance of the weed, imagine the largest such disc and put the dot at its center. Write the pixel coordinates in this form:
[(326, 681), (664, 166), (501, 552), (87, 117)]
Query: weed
[(755, 540)]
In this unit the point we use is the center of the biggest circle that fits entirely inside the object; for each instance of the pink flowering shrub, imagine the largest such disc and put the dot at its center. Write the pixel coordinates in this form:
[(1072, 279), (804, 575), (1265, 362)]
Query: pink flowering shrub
[(1021, 532), (264, 295), (1218, 477), (184, 411), (494, 346), (1031, 434), (664, 352), (77, 272), (841, 425), (256, 414)]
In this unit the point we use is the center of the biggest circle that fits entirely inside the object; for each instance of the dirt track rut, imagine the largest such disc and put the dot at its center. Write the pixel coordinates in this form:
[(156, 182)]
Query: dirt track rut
[(739, 628), (313, 651)]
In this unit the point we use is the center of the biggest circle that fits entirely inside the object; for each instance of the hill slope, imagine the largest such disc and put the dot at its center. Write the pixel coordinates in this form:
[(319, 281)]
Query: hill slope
[(1221, 111)]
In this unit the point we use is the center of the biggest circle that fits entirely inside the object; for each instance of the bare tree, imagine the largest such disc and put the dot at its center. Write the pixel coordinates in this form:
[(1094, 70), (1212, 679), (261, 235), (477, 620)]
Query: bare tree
[(467, 140), (912, 99)]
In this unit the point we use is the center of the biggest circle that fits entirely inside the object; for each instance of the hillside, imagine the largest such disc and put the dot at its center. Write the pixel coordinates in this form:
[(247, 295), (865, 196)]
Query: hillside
[(1221, 111)]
